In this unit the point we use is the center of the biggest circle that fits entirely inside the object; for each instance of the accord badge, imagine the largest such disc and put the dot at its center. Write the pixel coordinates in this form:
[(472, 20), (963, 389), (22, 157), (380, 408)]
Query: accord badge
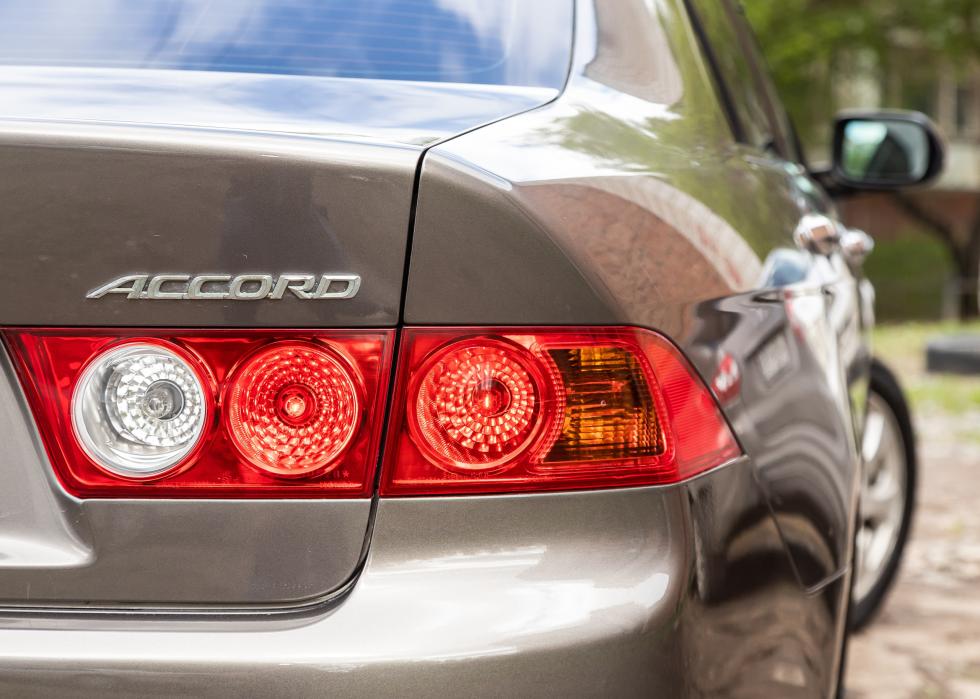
[(242, 287)]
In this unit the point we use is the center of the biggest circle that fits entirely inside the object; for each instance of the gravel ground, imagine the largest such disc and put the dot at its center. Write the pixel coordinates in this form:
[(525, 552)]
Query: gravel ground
[(926, 641)]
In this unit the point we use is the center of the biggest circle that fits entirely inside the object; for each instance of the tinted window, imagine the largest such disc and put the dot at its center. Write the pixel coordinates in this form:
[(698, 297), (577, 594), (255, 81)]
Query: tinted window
[(736, 73), (779, 118), (467, 41)]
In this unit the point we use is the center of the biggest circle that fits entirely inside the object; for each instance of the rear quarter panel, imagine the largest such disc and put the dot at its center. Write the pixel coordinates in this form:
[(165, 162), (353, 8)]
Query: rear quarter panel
[(627, 201)]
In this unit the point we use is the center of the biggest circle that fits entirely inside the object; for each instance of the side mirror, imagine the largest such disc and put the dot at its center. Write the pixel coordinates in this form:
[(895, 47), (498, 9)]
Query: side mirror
[(885, 150)]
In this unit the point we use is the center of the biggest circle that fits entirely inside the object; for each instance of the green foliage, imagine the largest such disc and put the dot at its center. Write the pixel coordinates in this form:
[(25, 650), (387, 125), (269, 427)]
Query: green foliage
[(862, 142), (903, 348), (810, 44), (909, 273), (951, 28)]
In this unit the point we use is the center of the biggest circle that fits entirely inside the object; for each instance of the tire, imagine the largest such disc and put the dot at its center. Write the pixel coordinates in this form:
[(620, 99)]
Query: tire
[(869, 592)]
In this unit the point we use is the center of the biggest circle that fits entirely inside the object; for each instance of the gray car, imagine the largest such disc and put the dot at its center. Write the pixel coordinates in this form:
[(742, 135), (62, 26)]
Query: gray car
[(430, 347)]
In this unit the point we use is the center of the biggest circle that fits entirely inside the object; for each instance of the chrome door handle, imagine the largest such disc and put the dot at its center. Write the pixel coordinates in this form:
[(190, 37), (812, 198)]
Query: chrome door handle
[(818, 234), (856, 245)]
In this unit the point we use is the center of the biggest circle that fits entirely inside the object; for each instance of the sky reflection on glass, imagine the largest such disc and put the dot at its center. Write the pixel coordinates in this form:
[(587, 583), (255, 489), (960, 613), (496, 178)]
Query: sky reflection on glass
[(503, 42)]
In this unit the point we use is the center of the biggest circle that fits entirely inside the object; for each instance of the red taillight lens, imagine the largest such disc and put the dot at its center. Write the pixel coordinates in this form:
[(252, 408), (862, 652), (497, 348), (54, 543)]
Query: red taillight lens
[(498, 410), (476, 404), (293, 408), (137, 413), (133, 413)]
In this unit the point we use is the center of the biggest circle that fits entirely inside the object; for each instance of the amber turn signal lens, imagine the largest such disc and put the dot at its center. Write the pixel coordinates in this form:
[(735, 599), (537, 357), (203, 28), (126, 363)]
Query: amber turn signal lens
[(517, 409), (292, 413), (609, 410)]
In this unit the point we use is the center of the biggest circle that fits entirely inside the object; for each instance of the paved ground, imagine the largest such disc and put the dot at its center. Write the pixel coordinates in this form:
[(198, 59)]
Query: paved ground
[(926, 642)]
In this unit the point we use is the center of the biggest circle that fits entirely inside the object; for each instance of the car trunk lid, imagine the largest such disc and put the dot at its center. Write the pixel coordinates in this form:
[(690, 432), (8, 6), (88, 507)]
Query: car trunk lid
[(95, 189)]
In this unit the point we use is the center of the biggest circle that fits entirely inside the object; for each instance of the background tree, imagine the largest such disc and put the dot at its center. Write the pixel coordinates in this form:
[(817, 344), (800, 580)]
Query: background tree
[(822, 52)]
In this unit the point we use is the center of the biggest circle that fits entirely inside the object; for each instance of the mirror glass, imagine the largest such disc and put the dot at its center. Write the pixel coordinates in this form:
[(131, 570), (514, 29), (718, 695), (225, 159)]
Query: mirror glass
[(884, 151)]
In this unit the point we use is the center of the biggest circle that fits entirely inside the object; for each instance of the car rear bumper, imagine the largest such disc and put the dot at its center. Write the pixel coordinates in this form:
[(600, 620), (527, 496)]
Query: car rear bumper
[(558, 594), (661, 591)]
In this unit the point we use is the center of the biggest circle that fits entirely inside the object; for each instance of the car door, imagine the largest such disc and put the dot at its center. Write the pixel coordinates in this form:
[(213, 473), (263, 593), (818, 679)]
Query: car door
[(805, 432)]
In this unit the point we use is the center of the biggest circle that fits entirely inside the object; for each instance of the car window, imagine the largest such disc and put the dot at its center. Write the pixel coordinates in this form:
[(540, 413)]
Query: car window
[(462, 41), (782, 125), (741, 82)]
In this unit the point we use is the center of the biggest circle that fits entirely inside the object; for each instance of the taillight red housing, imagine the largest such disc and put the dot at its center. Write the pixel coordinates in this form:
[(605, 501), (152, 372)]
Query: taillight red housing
[(487, 410), (263, 413), (290, 413)]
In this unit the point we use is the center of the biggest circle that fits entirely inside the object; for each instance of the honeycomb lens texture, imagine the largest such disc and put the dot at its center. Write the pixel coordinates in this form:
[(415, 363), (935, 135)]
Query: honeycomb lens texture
[(609, 408), (293, 409), (477, 406), (139, 409)]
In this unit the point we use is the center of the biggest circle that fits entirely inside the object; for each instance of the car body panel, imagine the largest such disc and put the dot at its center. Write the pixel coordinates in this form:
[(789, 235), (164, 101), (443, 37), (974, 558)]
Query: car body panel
[(60, 551), (184, 172), (81, 210), (604, 591), (394, 112), (625, 201), (244, 178)]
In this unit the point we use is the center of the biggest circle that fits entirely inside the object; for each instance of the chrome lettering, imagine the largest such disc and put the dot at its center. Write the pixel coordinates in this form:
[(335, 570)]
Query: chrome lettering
[(242, 287)]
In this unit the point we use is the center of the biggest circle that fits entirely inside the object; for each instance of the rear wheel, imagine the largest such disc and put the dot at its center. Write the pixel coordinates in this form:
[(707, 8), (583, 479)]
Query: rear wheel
[(887, 495)]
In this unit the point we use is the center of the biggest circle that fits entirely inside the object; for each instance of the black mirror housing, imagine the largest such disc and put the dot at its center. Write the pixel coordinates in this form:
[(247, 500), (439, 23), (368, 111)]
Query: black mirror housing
[(885, 150)]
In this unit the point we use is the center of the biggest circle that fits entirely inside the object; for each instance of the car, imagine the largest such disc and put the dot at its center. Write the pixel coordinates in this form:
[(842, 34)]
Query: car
[(429, 347)]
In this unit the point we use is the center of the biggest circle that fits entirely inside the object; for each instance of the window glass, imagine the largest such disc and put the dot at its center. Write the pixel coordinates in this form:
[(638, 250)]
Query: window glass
[(782, 125), (466, 41), (737, 73)]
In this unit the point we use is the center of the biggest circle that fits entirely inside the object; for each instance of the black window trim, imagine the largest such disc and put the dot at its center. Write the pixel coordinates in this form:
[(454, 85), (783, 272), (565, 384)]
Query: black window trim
[(721, 89), (780, 145), (760, 72)]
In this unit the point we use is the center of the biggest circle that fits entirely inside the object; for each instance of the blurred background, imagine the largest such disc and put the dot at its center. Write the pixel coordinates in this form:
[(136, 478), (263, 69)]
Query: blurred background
[(831, 55)]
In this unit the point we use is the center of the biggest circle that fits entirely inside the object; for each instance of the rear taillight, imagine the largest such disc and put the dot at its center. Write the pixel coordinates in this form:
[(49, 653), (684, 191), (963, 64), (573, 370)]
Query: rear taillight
[(271, 413), (139, 409), (292, 408), (137, 413), (498, 410)]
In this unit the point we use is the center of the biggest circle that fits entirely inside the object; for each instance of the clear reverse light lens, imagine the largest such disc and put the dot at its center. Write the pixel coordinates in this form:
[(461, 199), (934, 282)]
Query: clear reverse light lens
[(139, 409)]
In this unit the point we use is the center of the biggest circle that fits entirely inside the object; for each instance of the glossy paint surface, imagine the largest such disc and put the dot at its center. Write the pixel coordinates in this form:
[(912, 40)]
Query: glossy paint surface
[(111, 172), (583, 594), (87, 205), (59, 550), (628, 200), (624, 201), (387, 111)]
